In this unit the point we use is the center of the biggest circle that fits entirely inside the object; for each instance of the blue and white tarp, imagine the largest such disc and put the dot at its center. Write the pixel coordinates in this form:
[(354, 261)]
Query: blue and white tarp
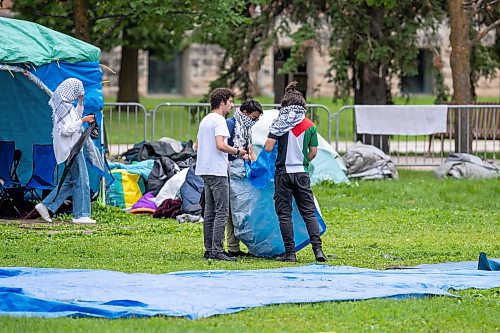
[(253, 214), (51, 292)]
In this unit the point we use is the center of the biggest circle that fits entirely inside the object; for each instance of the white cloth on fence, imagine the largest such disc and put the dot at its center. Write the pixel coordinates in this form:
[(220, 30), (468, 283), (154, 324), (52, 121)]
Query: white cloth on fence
[(401, 119)]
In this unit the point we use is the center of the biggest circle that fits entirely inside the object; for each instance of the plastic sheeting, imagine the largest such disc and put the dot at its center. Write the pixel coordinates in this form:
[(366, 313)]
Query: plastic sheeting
[(28, 42), (256, 223), (252, 208), (50, 292)]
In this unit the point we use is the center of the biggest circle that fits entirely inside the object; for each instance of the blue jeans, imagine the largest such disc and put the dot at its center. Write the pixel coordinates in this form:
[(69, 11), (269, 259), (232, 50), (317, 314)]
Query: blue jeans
[(75, 184)]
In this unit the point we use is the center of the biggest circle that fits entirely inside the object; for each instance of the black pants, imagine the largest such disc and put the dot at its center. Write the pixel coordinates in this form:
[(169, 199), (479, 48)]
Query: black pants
[(298, 186)]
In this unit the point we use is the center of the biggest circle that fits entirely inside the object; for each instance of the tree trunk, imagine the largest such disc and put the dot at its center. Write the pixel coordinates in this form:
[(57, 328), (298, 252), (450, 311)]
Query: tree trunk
[(128, 77), (461, 48), (370, 84), (81, 20)]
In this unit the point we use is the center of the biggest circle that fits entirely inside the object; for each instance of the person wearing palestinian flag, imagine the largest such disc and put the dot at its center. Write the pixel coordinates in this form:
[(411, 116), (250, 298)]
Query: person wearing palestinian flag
[(297, 140)]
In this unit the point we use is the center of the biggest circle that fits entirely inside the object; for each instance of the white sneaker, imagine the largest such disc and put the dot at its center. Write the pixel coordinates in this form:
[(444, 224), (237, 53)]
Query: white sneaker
[(43, 211), (84, 220)]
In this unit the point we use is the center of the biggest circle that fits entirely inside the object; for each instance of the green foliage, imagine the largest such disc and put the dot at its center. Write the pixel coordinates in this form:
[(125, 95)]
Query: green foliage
[(485, 59), (158, 25), (418, 219)]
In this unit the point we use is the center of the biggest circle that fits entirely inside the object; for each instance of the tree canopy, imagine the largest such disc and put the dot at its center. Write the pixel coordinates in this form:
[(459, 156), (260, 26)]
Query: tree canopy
[(162, 26)]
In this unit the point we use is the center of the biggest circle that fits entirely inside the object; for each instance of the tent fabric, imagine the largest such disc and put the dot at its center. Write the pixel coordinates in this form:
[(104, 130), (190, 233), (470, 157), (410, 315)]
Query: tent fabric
[(28, 42), (163, 169), (327, 165), (52, 74), (27, 121), (466, 166), (53, 292), (368, 162), (35, 60), (190, 193)]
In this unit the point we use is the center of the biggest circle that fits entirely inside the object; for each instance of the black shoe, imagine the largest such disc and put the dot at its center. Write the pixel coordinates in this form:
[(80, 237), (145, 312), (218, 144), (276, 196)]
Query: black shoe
[(319, 255), (288, 257), (206, 255), (221, 256), (239, 253)]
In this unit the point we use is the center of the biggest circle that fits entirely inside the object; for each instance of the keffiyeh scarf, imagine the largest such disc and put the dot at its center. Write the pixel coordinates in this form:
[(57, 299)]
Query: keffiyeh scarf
[(242, 130), (288, 118), (63, 98)]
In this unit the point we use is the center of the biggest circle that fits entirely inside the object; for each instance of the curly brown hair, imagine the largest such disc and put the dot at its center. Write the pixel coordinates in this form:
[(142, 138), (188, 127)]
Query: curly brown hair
[(219, 96), (293, 96)]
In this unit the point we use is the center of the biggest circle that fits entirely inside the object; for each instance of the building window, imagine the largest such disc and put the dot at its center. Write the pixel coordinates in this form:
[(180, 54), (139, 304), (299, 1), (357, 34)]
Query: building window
[(165, 77), (282, 80), (421, 83)]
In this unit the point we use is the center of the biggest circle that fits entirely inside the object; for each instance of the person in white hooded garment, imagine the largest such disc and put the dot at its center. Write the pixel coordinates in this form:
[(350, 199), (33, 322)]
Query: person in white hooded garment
[(67, 128)]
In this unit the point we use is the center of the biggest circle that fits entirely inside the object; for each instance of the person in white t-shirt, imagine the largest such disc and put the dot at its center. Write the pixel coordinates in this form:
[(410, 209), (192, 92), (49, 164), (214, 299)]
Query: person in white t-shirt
[(211, 165)]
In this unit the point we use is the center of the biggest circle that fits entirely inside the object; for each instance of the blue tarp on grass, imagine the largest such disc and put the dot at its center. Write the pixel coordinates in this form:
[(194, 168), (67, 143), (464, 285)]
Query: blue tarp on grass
[(49, 292)]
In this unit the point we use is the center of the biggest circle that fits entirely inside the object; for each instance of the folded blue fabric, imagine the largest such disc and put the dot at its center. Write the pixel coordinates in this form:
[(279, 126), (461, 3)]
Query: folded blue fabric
[(51, 292), (486, 264)]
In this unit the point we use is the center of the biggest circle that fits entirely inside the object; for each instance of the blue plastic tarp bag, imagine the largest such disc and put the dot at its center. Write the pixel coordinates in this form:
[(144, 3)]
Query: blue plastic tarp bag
[(252, 208)]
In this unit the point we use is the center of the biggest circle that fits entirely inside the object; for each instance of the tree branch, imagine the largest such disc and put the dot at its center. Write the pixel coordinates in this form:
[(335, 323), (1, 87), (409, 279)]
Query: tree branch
[(175, 12), (478, 7), (121, 16), (485, 31), (109, 31), (40, 14)]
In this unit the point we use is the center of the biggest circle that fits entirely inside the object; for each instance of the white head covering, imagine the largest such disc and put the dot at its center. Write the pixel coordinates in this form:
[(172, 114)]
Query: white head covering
[(63, 98), (64, 116)]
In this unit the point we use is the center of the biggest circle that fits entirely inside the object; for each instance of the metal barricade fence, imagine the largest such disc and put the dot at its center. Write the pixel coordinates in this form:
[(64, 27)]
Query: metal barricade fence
[(482, 130), (125, 124), (180, 120)]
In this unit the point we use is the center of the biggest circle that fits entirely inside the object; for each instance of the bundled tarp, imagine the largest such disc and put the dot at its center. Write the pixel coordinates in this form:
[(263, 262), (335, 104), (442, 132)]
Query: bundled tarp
[(34, 60), (252, 208), (53, 292), (369, 162), (466, 166), (130, 183)]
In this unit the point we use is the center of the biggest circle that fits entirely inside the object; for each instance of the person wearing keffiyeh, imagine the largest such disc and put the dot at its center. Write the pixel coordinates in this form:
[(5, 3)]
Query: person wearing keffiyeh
[(297, 140), (67, 128), (240, 127), (240, 131)]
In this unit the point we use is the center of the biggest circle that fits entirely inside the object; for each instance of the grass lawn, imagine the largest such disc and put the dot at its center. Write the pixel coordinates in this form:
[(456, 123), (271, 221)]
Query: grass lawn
[(418, 218)]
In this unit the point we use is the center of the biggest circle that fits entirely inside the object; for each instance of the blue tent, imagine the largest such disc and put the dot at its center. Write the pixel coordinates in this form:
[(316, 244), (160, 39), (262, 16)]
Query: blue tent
[(34, 60)]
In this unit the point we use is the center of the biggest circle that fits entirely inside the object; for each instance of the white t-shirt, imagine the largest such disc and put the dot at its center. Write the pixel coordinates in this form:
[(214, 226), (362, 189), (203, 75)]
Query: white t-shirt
[(210, 160)]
